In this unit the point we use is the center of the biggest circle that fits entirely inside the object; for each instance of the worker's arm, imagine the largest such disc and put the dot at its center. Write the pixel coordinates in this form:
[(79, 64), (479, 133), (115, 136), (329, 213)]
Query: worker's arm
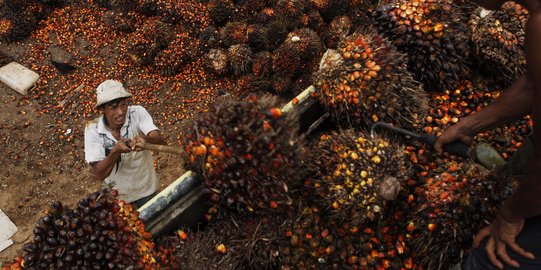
[(103, 168), (514, 103), (526, 201)]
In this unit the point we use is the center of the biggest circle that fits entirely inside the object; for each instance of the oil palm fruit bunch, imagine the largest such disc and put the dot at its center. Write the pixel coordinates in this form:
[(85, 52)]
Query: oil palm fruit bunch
[(366, 81), (220, 11), (330, 8), (100, 233), (340, 27), (123, 22), (241, 58), (433, 34), (234, 33), (149, 39), (247, 153), (454, 206), (216, 60), (184, 49), (312, 243), (355, 176), (118, 5), (498, 41), (308, 45), (16, 23), (228, 243)]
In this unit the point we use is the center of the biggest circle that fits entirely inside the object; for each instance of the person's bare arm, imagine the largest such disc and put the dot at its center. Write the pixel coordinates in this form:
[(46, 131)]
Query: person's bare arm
[(102, 169), (526, 201), (514, 103)]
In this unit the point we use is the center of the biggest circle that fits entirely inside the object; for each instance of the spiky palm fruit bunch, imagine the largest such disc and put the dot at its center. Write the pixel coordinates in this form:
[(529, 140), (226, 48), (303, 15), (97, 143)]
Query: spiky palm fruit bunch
[(118, 5), (256, 36), (210, 38), (148, 40), (454, 206), (308, 44), (281, 84), (241, 58), (291, 8), (233, 244), (262, 66), (234, 33), (250, 84), (276, 32), (184, 49), (123, 22), (366, 81), (312, 242), (286, 60), (498, 41), (360, 11), (100, 233), (147, 7), (217, 61), (330, 8), (220, 10), (247, 153), (433, 34), (16, 23), (355, 176), (340, 27)]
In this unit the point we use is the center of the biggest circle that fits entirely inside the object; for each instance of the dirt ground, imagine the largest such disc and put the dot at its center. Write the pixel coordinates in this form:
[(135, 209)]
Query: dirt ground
[(37, 170)]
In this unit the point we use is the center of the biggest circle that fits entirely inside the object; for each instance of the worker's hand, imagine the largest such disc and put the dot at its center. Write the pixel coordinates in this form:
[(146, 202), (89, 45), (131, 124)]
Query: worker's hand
[(453, 134), (122, 146), (137, 142), (502, 233)]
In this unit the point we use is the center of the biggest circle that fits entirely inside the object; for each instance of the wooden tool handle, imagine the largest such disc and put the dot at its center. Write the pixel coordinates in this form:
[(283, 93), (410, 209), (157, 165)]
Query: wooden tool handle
[(160, 148)]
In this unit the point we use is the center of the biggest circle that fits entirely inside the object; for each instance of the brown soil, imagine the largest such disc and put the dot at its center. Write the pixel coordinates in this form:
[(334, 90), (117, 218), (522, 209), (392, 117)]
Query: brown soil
[(37, 169)]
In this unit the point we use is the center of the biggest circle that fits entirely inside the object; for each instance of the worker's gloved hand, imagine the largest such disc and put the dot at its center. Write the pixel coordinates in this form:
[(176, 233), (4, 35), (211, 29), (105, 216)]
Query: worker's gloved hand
[(453, 134), (137, 143), (122, 146)]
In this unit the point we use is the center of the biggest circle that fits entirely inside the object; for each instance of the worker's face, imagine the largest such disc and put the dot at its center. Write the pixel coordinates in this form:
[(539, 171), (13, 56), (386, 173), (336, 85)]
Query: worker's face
[(115, 112)]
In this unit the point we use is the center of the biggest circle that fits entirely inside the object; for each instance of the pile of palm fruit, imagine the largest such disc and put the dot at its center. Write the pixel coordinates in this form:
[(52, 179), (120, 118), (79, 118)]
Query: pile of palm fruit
[(334, 209), (100, 233), (498, 40), (365, 81), (246, 152)]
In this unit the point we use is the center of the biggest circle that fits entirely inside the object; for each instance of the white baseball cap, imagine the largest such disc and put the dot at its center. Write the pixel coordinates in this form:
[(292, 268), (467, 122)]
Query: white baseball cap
[(110, 90)]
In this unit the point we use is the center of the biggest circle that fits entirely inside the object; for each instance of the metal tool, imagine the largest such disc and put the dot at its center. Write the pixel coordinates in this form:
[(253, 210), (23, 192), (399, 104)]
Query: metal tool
[(482, 153)]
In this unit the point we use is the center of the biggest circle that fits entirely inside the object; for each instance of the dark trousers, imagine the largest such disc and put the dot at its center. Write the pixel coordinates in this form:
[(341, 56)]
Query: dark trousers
[(140, 202), (529, 238)]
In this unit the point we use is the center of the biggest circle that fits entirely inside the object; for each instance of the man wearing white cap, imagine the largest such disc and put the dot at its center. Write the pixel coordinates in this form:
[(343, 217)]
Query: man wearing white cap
[(110, 144)]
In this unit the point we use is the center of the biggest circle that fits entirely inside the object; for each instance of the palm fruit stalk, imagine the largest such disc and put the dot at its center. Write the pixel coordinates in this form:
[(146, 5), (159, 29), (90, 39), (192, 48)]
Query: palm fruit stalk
[(498, 41), (247, 152), (148, 40), (355, 176), (366, 81), (100, 233), (453, 207), (433, 34)]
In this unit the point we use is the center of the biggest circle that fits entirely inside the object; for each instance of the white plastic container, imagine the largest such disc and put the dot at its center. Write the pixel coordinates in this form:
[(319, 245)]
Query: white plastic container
[(18, 77)]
